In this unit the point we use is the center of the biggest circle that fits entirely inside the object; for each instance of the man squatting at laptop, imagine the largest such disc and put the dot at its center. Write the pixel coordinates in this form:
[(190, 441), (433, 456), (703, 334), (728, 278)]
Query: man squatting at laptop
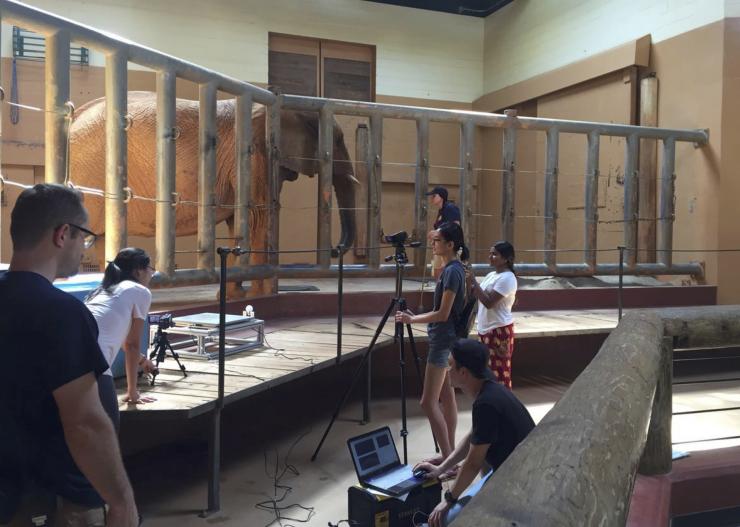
[(500, 423)]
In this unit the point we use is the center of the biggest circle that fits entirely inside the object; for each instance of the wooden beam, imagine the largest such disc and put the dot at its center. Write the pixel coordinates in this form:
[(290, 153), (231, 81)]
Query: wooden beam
[(648, 170)]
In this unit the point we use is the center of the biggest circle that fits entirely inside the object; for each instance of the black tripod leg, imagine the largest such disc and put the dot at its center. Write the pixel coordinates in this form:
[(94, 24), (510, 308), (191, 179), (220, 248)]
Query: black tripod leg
[(177, 360), (402, 363), (417, 363), (158, 356), (355, 376)]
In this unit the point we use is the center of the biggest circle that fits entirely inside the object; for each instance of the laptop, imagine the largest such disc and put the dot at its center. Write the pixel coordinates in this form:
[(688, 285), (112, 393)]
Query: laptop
[(377, 464)]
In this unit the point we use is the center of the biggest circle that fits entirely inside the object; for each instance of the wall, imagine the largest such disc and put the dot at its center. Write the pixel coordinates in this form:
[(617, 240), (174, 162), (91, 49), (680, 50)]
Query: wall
[(530, 37), (728, 235), (420, 54)]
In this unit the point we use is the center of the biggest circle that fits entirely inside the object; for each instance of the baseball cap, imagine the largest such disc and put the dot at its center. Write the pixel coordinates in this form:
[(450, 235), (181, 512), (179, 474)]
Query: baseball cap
[(472, 355), (441, 191)]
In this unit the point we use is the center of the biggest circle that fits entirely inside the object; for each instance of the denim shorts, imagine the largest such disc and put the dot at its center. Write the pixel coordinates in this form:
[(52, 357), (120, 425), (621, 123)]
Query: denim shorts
[(439, 355)]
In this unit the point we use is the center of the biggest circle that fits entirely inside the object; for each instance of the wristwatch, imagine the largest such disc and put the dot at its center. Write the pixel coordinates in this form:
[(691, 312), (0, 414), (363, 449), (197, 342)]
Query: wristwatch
[(449, 498)]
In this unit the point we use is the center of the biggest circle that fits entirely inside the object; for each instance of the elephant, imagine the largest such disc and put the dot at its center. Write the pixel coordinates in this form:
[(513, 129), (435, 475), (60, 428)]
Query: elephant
[(299, 135)]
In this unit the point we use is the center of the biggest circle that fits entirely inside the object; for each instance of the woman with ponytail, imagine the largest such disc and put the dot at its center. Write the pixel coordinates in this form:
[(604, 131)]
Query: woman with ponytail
[(496, 294), (438, 396), (120, 305)]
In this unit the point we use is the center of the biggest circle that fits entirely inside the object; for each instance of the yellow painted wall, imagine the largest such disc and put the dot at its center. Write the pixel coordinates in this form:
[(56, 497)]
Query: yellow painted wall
[(420, 54)]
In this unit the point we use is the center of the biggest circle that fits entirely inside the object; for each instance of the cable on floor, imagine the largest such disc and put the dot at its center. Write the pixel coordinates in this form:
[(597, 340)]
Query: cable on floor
[(273, 504)]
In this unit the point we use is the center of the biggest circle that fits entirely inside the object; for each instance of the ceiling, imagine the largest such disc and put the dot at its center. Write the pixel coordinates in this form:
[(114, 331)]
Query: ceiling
[(479, 8)]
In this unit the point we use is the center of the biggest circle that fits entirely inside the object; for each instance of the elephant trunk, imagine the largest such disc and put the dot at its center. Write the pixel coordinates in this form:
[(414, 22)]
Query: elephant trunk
[(344, 186)]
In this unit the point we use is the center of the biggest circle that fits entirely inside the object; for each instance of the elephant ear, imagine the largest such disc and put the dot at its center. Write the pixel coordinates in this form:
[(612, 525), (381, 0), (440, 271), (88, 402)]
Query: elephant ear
[(300, 142)]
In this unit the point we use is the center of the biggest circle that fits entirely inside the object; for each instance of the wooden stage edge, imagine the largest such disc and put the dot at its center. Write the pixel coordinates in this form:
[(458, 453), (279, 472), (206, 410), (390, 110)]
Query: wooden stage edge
[(296, 348)]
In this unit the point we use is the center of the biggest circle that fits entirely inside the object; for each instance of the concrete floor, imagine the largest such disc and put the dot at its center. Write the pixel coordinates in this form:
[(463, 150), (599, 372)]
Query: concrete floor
[(170, 483)]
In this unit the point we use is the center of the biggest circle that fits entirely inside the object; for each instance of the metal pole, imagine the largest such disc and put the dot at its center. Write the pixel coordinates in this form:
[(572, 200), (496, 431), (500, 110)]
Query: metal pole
[(667, 203), (56, 128), (340, 300), (323, 220), (421, 183), (467, 141), (214, 443), (493, 120), (508, 193), (116, 158), (243, 125), (207, 176), (272, 129), (166, 137), (362, 197), (551, 199), (631, 188), (591, 202), (621, 276), (374, 188)]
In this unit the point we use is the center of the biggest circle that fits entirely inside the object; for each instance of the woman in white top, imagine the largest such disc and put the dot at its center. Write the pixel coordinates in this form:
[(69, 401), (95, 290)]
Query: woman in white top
[(120, 305), (495, 323)]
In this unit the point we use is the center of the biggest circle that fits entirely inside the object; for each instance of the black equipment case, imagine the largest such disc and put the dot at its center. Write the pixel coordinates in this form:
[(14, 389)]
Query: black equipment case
[(367, 509)]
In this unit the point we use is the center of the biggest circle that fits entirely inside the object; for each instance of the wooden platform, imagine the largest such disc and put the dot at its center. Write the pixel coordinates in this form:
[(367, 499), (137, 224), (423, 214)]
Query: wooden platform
[(298, 347)]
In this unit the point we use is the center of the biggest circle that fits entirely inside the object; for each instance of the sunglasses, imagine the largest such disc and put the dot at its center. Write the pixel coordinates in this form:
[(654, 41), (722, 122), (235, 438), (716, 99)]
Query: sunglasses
[(89, 237)]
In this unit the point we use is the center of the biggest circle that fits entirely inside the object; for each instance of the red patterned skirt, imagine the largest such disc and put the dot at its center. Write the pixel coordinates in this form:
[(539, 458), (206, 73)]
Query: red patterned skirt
[(500, 342)]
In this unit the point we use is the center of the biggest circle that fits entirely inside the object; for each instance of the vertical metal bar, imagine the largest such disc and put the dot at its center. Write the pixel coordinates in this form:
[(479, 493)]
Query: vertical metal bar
[(214, 444), (362, 170), (551, 198), (2, 186), (273, 130), (116, 153), (166, 136), (56, 128), (243, 125), (323, 220), (657, 456), (631, 189), (207, 176), (420, 188), (620, 302), (667, 203), (340, 301), (375, 187), (508, 194), (467, 138), (591, 210)]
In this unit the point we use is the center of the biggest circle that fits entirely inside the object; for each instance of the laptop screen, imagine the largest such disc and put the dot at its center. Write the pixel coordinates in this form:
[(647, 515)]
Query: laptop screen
[(373, 452)]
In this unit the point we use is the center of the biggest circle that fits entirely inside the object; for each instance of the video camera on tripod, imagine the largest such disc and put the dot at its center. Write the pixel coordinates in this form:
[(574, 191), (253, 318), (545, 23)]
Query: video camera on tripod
[(398, 240), (161, 321), (161, 343)]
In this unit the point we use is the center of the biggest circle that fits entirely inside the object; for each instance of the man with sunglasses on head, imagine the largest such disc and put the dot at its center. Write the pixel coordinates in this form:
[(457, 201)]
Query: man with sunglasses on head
[(56, 441)]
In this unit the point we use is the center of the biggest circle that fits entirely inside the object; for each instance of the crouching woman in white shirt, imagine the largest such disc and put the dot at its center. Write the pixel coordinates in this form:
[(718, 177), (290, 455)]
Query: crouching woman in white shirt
[(120, 305), (495, 324)]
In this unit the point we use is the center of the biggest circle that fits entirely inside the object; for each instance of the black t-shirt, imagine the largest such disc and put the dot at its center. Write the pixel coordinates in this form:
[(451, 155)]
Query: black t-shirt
[(499, 419), (452, 278), (48, 338), (448, 212)]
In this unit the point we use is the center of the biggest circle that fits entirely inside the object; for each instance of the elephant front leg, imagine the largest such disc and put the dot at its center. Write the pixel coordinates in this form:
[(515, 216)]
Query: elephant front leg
[(264, 287), (236, 290)]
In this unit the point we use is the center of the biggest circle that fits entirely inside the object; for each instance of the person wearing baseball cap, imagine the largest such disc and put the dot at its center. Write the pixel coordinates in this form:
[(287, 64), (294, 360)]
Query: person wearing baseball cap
[(500, 423), (448, 213)]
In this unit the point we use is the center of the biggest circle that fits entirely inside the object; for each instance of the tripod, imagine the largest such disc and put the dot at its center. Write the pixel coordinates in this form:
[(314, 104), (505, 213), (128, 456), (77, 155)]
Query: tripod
[(398, 303), (161, 346)]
